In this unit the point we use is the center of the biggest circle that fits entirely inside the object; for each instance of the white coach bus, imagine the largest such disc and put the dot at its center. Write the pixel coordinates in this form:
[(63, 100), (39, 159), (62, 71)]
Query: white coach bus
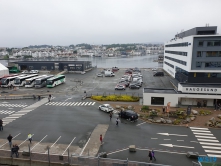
[(20, 81), (41, 82), (30, 82)]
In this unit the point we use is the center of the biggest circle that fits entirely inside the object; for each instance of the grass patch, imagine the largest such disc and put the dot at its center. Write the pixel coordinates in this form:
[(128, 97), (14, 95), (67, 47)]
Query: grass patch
[(204, 112), (116, 98)]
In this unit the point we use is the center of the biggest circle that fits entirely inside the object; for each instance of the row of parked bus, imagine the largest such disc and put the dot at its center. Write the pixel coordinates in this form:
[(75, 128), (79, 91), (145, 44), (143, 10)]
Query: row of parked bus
[(33, 80)]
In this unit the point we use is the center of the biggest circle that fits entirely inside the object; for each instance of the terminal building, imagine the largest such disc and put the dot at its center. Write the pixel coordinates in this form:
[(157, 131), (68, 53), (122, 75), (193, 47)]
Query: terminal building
[(70, 66), (193, 60)]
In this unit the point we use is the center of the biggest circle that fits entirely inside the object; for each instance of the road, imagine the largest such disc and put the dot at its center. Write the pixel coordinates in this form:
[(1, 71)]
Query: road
[(68, 122)]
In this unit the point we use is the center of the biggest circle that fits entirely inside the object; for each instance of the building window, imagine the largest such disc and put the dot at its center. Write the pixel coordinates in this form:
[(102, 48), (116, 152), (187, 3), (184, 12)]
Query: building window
[(43, 67), (216, 75), (30, 67), (200, 44), (157, 100), (213, 43), (176, 52), (176, 60), (199, 54), (213, 64), (213, 54), (172, 66), (185, 44), (198, 64)]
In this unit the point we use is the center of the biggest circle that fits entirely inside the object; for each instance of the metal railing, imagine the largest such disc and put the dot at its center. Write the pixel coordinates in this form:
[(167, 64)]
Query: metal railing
[(98, 161)]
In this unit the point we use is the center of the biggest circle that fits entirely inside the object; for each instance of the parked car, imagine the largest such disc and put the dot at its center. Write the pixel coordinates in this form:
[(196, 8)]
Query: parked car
[(154, 69), (136, 69), (83, 72), (125, 83), (158, 74), (136, 83), (128, 72), (99, 75), (134, 86), (128, 114), (25, 72), (120, 87), (34, 72), (105, 108), (115, 68)]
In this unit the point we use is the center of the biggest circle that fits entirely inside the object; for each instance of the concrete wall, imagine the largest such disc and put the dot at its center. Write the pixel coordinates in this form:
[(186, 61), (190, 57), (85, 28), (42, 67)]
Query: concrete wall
[(185, 99)]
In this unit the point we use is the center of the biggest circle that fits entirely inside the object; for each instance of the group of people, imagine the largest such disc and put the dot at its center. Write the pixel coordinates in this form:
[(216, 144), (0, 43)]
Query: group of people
[(151, 156), (15, 148)]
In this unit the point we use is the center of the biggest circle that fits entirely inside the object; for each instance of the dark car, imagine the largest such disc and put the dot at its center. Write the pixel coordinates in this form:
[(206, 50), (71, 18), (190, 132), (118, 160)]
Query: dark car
[(158, 74), (136, 83), (128, 114), (126, 83), (134, 86)]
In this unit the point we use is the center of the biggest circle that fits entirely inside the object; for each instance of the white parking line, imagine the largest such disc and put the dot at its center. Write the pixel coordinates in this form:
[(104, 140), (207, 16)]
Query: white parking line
[(201, 131), (68, 145), (25, 140), (208, 140), (82, 103), (68, 104), (53, 144), (90, 103), (154, 138), (141, 123), (93, 103), (38, 142), (12, 138), (197, 128), (180, 140), (84, 147), (202, 134)]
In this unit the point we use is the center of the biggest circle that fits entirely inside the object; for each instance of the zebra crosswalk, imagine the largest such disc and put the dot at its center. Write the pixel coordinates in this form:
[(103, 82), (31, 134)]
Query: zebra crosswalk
[(13, 105), (6, 112), (70, 103), (209, 142)]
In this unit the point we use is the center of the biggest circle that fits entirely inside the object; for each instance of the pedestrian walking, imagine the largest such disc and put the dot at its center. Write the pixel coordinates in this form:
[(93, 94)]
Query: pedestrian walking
[(30, 138), (117, 121), (153, 155), (49, 98), (163, 110), (1, 125), (150, 157), (110, 115), (14, 150), (101, 139), (10, 140), (39, 97)]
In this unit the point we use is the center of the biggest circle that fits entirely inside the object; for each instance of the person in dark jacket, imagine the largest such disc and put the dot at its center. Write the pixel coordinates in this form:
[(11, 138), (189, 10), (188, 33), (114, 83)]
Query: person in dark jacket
[(1, 125), (10, 140), (153, 155), (150, 157)]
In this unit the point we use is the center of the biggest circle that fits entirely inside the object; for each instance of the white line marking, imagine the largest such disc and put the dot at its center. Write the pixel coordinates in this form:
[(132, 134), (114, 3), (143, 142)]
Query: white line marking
[(93, 103), (86, 103), (194, 141), (206, 143), (199, 128), (11, 117), (72, 103), (118, 151), (214, 155), (211, 147), (82, 103), (167, 139), (212, 151), (154, 138), (180, 140), (53, 143), (202, 134), (68, 145), (141, 123), (68, 104), (208, 140), (12, 139), (201, 131), (25, 140), (205, 137), (90, 103), (38, 142), (79, 103), (84, 147), (61, 104)]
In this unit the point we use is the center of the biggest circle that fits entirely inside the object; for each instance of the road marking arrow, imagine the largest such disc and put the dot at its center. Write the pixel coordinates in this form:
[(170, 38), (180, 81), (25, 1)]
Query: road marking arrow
[(167, 134), (171, 145)]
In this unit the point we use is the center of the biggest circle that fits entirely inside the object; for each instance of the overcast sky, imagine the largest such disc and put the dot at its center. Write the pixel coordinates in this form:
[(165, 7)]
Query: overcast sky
[(65, 22)]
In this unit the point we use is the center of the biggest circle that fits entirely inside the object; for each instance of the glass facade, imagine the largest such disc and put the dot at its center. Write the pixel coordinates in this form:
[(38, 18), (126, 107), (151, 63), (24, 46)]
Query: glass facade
[(176, 52), (213, 64), (176, 60), (172, 66), (213, 43), (185, 44)]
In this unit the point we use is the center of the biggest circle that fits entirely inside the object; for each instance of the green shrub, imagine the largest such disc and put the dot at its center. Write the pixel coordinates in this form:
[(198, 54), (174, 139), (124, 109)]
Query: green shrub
[(176, 122), (204, 112), (116, 98), (145, 107)]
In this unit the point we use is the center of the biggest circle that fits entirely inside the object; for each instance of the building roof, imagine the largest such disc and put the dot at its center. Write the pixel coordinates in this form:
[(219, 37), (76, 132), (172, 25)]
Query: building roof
[(159, 90)]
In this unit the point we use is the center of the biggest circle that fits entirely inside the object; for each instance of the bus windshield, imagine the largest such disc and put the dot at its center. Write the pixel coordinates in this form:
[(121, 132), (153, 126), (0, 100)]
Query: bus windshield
[(17, 81), (3, 80), (28, 82), (37, 82), (49, 82)]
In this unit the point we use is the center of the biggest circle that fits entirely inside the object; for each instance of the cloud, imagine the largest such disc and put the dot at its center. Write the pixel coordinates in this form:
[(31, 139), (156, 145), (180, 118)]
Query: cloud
[(57, 22)]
